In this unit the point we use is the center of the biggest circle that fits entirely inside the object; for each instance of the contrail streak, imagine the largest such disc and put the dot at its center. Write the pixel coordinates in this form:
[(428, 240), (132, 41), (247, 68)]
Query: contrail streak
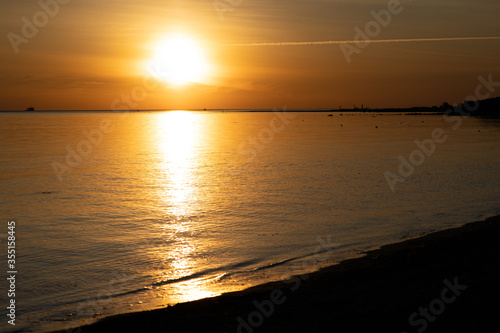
[(334, 42)]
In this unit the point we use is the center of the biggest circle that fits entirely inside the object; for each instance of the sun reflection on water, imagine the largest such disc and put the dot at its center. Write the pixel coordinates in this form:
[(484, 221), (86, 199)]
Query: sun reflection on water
[(178, 136)]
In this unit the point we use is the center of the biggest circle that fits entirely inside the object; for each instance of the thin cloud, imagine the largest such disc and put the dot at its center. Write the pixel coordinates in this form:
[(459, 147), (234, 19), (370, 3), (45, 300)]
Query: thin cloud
[(336, 42)]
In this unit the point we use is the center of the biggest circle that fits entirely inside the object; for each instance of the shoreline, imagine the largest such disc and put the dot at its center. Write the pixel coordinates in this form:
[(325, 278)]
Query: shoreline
[(444, 281)]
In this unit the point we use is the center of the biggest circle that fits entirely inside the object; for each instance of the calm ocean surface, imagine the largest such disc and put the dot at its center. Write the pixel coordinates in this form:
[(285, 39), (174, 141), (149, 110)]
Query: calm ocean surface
[(121, 212)]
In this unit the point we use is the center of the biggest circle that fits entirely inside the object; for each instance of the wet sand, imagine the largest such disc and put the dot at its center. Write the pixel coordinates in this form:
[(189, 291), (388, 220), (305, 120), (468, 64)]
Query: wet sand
[(447, 281)]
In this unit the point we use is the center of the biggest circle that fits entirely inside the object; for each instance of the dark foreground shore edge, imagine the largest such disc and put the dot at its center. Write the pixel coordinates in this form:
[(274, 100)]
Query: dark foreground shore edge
[(446, 281)]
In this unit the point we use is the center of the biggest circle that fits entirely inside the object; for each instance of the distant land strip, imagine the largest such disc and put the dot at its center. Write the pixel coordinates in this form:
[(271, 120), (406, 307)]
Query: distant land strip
[(334, 42), (487, 107)]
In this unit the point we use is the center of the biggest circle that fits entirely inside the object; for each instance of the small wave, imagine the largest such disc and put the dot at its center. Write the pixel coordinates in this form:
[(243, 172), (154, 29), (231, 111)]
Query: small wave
[(276, 264), (207, 272), (225, 272), (336, 246), (286, 261)]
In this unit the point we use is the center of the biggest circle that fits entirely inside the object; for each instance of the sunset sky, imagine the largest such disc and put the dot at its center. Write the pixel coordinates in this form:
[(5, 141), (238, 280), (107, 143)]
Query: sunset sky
[(94, 54)]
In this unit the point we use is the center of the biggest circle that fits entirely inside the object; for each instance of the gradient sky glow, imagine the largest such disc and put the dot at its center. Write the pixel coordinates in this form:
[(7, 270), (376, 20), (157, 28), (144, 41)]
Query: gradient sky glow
[(91, 53)]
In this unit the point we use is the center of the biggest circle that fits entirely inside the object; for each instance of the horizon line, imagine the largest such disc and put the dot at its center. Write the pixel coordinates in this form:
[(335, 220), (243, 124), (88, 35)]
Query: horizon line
[(244, 109)]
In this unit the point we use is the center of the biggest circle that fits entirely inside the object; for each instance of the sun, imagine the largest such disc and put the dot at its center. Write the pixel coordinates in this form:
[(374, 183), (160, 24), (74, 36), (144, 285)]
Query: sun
[(178, 60)]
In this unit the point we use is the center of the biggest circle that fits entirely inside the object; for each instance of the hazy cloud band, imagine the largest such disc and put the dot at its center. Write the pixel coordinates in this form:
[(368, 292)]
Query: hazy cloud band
[(334, 42)]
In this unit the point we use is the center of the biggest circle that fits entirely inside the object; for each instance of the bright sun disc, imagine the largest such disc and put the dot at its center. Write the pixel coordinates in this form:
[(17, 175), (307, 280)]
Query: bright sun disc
[(178, 60)]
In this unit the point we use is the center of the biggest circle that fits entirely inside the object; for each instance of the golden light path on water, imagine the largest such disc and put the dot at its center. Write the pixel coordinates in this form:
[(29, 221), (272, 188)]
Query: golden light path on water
[(178, 134)]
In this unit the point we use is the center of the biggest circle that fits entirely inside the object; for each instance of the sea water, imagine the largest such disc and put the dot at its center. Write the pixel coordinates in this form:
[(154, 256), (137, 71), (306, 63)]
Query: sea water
[(122, 212)]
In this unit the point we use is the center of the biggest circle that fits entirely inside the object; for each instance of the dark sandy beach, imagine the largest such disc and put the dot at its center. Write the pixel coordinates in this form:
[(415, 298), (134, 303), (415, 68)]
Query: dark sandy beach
[(447, 281)]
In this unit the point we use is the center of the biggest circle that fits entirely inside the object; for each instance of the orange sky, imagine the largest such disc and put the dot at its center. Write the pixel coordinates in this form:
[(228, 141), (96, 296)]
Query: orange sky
[(93, 54)]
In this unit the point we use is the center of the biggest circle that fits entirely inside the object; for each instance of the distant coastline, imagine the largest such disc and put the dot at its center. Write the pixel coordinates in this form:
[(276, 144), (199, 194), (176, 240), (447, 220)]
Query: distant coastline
[(485, 108)]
